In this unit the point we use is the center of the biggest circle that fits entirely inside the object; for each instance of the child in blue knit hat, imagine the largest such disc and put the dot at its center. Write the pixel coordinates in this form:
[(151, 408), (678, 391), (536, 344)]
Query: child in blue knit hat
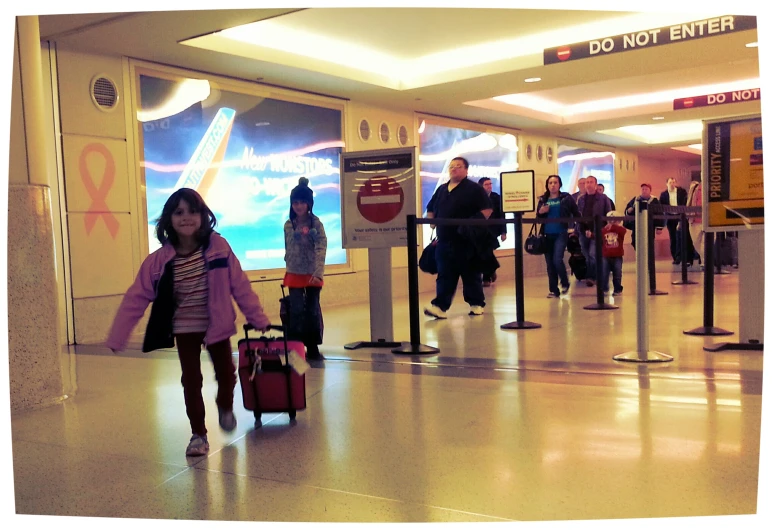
[(305, 245)]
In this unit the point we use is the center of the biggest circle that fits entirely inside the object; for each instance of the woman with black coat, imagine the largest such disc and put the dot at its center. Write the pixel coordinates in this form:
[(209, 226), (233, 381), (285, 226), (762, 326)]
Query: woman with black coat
[(554, 204)]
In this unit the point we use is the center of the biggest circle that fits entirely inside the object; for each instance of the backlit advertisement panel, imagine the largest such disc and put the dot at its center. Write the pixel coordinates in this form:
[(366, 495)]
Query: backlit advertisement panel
[(488, 153), (577, 162), (243, 154)]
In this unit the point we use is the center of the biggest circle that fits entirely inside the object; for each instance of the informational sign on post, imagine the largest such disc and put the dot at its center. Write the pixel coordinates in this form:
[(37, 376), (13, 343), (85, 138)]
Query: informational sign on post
[(733, 176), (518, 191), (378, 191)]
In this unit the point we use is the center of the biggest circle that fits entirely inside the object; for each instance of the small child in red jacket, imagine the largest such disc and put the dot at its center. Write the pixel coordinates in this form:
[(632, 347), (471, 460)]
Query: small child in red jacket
[(613, 237)]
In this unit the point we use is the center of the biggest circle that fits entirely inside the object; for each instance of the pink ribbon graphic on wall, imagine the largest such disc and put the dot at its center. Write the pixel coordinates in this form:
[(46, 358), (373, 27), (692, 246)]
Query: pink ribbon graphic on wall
[(98, 195)]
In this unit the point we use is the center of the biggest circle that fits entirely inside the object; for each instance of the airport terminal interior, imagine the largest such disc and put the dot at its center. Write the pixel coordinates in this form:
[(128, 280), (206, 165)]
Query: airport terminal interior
[(498, 425)]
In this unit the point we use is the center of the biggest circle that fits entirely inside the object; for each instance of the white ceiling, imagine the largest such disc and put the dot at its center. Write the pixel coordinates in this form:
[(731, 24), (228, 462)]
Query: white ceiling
[(450, 62)]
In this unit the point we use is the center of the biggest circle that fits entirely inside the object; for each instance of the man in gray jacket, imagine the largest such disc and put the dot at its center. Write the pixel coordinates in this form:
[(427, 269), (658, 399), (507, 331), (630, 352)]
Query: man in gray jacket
[(591, 204)]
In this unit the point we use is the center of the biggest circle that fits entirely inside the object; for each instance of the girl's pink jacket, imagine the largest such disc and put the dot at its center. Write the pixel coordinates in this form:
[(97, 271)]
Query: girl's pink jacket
[(225, 279)]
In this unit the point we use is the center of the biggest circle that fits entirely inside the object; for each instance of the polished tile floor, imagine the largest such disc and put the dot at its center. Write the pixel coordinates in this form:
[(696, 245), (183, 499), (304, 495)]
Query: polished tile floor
[(528, 425)]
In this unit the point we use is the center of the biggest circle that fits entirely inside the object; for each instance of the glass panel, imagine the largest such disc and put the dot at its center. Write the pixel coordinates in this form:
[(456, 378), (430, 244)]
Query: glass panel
[(243, 153), (488, 153)]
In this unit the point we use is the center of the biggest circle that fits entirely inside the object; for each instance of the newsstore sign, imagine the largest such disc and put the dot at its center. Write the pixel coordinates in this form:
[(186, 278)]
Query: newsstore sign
[(710, 27)]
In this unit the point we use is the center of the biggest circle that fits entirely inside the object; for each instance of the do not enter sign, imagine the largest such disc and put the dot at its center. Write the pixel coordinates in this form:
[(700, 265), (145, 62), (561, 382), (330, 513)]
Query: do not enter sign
[(380, 199)]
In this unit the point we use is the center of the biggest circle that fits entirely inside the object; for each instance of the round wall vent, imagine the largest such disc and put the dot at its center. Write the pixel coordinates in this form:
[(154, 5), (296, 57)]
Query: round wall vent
[(364, 130), (385, 133), (104, 93), (402, 137)]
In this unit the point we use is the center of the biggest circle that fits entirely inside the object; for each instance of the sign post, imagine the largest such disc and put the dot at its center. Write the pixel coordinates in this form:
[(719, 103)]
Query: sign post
[(518, 196), (378, 192)]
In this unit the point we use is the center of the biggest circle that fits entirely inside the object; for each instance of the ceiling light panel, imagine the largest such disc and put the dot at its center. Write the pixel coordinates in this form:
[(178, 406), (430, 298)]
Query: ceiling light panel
[(387, 65), (661, 133)]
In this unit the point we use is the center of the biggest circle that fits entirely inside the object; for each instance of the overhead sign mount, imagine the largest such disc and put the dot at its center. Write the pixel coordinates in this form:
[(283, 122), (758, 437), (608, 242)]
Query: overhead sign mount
[(637, 40)]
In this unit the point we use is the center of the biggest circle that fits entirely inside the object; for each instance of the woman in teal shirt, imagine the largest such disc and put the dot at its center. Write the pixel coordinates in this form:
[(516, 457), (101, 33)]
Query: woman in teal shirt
[(553, 204)]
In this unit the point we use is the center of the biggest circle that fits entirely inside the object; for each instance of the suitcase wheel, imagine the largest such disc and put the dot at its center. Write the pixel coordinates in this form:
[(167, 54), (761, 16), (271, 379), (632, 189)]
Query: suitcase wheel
[(292, 414)]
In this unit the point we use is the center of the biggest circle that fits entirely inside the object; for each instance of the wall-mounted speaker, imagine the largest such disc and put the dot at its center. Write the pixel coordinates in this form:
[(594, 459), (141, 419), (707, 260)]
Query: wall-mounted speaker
[(364, 130), (104, 93), (385, 132)]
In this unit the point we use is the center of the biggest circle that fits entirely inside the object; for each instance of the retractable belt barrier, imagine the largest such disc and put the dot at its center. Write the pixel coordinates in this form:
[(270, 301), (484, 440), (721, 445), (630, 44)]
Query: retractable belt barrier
[(644, 265)]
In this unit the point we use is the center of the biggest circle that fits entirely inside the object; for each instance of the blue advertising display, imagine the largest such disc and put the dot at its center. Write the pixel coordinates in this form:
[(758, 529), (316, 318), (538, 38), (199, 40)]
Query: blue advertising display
[(243, 154), (488, 153), (577, 162)]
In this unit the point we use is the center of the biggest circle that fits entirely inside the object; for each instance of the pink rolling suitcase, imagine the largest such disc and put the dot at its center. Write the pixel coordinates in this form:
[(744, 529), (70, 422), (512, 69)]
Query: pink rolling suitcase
[(267, 383)]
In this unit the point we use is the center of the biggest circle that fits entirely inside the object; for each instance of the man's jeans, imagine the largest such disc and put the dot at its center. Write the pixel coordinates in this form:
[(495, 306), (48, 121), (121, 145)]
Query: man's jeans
[(588, 251)]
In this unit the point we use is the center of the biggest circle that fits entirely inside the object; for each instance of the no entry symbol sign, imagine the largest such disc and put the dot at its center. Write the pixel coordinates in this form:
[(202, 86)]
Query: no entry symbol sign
[(380, 199)]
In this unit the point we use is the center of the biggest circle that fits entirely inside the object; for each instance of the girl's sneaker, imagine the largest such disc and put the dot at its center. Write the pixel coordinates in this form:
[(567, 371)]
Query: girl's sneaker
[(227, 420), (198, 446)]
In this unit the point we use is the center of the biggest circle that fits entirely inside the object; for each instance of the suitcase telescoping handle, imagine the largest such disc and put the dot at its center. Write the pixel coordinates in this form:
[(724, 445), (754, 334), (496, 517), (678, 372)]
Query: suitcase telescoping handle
[(248, 327)]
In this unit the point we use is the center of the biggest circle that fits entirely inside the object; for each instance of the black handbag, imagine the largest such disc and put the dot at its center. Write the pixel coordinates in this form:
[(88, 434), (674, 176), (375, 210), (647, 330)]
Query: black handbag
[(428, 260), (535, 244)]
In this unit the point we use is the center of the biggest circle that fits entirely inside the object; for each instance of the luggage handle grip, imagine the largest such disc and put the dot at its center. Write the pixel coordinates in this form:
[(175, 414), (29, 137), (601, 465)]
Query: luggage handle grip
[(249, 327)]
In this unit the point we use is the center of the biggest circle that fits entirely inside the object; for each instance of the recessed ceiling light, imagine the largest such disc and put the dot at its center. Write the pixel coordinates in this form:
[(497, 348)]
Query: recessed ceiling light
[(533, 79), (658, 118), (752, 45)]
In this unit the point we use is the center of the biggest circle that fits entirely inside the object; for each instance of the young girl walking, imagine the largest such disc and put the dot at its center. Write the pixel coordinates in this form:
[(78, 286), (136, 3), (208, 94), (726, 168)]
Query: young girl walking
[(305, 246), (190, 281)]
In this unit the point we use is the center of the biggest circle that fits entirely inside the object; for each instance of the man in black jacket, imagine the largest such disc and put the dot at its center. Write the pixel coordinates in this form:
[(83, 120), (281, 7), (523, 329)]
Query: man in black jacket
[(459, 198), (673, 195), (489, 276), (630, 210)]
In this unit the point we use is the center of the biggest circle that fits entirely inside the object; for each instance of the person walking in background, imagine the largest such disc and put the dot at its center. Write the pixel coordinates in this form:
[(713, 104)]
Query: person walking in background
[(694, 198), (190, 281), (555, 204), (489, 276), (591, 204), (305, 246), (580, 189), (646, 197), (673, 196), (613, 236), (602, 191)]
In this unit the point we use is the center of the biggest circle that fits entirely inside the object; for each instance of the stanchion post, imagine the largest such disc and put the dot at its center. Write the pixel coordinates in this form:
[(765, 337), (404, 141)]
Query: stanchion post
[(414, 346), (653, 291), (684, 253), (599, 268), (600, 303), (642, 354), (707, 327), (520, 323)]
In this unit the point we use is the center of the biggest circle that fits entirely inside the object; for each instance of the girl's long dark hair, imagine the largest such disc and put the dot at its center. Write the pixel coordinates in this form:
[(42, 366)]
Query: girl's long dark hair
[(546, 195), (163, 227)]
